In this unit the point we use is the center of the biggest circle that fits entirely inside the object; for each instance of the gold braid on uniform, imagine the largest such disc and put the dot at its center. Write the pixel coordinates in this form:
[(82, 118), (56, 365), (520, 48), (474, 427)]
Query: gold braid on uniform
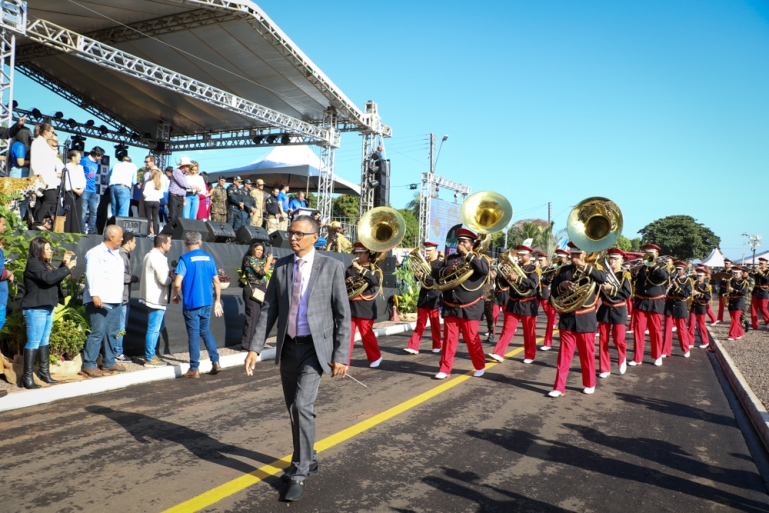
[(485, 278)]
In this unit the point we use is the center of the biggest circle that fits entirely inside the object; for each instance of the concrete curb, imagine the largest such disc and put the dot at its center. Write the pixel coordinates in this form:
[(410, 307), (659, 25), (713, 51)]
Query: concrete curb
[(754, 408), (46, 395)]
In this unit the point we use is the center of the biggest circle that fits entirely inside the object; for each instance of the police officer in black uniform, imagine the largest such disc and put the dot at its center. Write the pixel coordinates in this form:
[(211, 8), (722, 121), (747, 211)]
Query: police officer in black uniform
[(235, 204)]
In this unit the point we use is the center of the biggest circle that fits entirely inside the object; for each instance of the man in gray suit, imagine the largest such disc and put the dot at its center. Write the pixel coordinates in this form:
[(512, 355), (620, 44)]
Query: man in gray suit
[(307, 296)]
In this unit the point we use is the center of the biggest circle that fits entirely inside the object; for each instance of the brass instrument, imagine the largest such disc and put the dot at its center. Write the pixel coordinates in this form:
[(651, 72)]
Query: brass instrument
[(484, 213), (508, 266), (593, 225), (380, 229), (419, 267)]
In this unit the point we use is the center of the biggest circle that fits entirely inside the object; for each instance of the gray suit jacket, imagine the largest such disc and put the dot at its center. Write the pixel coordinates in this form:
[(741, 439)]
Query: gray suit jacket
[(328, 309)]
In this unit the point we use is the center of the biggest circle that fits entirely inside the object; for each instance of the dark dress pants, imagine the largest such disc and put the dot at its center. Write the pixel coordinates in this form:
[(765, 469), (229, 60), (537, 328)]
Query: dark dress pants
[(46, 205), (175, 207), (300, 373), (75, 212), (253, 310)]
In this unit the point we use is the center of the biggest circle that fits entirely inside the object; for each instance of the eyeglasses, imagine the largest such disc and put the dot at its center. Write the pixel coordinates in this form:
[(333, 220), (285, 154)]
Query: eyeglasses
[(299, 235)]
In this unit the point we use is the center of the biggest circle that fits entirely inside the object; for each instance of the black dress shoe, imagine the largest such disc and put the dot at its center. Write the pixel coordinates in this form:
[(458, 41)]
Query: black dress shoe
[(295, 491), (290, 471), (490, 338)]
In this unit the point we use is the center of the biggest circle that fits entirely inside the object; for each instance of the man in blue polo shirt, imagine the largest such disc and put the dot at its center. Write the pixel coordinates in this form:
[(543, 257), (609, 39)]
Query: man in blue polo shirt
[(283, 198), (91, 163), (198, 283)]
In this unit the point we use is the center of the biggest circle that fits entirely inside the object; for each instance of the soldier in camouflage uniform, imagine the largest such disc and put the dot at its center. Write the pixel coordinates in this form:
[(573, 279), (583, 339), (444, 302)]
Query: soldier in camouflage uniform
[(219, 202)]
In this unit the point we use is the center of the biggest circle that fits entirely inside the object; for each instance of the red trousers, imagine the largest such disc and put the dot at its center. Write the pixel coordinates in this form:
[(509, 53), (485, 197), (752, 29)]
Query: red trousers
[(721, 308), (550, 313), (698, 319), (735, 328), (617, 332), (653, 321), (711, 315), (630, 306), (759, 305), (435, 327), (681, 331), (451, 328), (496, 309), (585, 345), (633, 317), (366, 328), (529, 334)]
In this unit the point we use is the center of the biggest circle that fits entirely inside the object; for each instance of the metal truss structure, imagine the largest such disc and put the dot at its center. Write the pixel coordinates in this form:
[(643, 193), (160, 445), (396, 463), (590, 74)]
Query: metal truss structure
[(431, 183), (272, 128)]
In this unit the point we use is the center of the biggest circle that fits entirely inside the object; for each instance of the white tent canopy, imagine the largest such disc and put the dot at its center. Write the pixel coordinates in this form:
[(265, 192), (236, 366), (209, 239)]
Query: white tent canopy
[(714, 259), (749, 257), (297, 166)]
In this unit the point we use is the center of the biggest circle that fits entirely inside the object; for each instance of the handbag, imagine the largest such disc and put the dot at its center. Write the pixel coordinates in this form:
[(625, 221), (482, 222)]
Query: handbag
[(257, 294)]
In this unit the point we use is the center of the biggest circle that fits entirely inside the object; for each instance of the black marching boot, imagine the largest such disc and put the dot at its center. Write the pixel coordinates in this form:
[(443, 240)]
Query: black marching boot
[(27, 379), (43, 372)]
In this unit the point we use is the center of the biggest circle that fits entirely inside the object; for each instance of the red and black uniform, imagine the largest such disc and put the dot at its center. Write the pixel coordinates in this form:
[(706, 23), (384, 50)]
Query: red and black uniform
[(702, 294), (676, 312), (648, 307), (760, 298), (722, 293), (363, 312), (577, 329), (501, 297), (611, 317), (521, 307), (736, 304), (543, 299), (462, 311), (427, 308)]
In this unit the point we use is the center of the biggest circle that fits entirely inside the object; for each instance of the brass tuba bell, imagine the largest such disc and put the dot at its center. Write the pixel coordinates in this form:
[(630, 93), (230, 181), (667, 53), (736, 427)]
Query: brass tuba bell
[(380, 229)]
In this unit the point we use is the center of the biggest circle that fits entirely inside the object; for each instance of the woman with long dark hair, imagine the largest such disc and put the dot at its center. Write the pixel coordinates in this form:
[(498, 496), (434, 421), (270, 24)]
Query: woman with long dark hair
[(254, 271), (42, 282)]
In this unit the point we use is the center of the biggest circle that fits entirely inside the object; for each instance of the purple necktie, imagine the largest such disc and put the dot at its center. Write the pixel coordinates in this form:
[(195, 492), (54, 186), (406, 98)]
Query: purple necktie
[(296, 295)]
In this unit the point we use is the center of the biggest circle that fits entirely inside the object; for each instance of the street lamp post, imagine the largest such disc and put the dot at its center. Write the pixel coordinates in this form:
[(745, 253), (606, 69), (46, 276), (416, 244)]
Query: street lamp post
[(754, 241)]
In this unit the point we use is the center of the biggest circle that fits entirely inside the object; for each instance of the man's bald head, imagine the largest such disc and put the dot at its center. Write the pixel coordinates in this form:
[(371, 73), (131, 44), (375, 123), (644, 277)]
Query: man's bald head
[(113, 236)]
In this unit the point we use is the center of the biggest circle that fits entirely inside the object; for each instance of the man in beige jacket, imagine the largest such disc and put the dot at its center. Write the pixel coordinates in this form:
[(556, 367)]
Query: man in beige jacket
[(155, 288), (257, 216)]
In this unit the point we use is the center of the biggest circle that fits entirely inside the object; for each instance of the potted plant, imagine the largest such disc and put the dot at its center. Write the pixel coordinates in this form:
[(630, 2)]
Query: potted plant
[(407, 299), (224, 279)]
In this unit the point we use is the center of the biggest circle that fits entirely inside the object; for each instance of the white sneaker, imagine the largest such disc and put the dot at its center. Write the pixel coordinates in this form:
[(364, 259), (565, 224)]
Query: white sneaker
[(528, 361), (554, 393), (545, 348), (687, 354), (623, 367), (633, 363), (664, 356), (479, 373), (714, 323), (410, 351), (588, 390), (441, 375), (629, 331), (604, 375), (675, 329), (436, 350), (646, 332), (730, 338), (658, 362), (704, 346), (496, 357), (376, 363)]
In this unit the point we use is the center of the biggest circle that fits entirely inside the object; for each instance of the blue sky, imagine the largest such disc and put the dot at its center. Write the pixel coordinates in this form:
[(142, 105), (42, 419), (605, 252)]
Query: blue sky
[(661, 106)]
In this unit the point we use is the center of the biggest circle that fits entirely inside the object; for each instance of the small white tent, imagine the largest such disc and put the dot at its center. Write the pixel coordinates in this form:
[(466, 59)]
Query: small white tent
[(714, 259), (749, 257)]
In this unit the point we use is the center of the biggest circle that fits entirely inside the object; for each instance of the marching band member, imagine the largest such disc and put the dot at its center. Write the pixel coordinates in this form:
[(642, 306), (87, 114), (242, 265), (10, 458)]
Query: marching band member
[(543, 297), (488, 303), (521, 307), (702, 294), (427, 305), (722, 291), (649, 304), (709, 311), (612, 314), (577, 328), (501, 296), (677, 312), (363, 306), (463, 306), (760, 294), (736, 290)]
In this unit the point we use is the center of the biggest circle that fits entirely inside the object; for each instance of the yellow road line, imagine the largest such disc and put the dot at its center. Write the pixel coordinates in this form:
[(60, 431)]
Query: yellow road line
[(241, 483)]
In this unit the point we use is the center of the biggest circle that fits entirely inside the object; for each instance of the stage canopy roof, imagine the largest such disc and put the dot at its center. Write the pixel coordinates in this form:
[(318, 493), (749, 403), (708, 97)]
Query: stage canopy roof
[(229, 44), (296, 166)]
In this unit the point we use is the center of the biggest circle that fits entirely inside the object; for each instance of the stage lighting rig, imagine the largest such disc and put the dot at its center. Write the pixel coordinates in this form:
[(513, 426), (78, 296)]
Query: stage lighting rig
[(78, 143), (121, 150), (285, 139)]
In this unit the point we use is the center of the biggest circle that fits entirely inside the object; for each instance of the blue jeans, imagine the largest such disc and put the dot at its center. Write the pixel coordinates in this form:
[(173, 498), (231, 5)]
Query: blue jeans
[(105, 324), (90, 206), (39, 323), (121, 200), (124, 309), (3, 310), (197, 321), (19, 172), (191, 204), (156, 324)]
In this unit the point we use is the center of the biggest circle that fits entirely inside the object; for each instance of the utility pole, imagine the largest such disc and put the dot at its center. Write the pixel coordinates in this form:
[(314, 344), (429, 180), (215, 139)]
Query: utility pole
[(432, 153), (550, 227)]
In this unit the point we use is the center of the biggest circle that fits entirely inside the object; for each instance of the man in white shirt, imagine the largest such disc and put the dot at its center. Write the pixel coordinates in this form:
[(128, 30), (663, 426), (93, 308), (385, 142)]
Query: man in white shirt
[(121, 180), (154, 293), (104, 269)]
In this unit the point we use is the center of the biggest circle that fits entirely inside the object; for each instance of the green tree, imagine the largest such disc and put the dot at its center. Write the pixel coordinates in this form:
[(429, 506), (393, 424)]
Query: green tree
[(539, 230), (413, 205), (624, 243), (680, 236), (412, 229), (345, 205), (635, 244)]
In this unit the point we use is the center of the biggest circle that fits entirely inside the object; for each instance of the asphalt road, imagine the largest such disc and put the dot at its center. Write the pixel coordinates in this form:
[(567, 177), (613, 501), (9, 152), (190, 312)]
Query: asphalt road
[(656, 439)]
